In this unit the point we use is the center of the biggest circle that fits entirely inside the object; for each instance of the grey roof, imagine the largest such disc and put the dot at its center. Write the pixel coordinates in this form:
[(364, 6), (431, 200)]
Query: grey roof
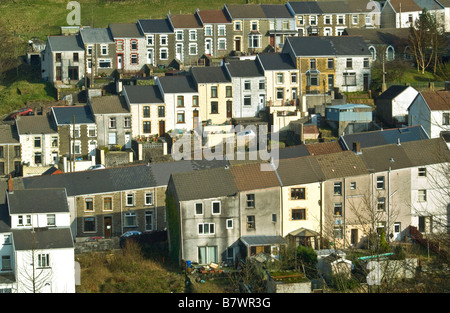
[(210, 74), (381, 36), (8, 134), (333, 7), (305, 7), (143, 94), (276, 61), (383, 137), (96, 35), (65, 43), (155, 26), (385, 157), (109, 105), (392, 92), (341, 164), (177, 84), (125, 30), (301, 170), (329, 46), (64, 115), (262, 240), (429, 4), (244, 68), (293, 152), (276, 11), (209, 183), (242, 11), (37, 124), (38, 201), (43, 238)]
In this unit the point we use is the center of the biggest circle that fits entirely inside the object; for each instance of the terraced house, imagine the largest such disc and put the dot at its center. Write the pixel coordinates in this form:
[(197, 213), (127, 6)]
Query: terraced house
[(158, 34), (10, 151)]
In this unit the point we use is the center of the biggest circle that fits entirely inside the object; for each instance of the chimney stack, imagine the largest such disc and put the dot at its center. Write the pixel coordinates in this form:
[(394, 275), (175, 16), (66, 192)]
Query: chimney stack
[(357, 147), (10, 184)]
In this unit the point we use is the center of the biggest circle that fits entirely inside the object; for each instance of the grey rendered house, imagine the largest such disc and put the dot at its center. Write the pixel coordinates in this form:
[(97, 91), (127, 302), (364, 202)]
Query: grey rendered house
[(113, 120), (10, 151), (63, 60), (130, 47), (281, 24), (217, 32), (100, 51), (249, 87), (188, 38), (203, 216), (159, 41)]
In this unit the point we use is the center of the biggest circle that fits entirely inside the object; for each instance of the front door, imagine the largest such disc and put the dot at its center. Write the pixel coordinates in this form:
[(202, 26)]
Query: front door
[(366, 82), (162, 128), (229, 109), (120, 61), (179, 51), (397, 231), (208, 47), (237, 43), (195, 119), (150, 56), (127, 140), (92, 147), (107, 224)]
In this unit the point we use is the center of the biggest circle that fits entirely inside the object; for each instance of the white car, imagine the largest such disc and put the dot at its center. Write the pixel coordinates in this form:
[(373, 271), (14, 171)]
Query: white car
[(96, 167)]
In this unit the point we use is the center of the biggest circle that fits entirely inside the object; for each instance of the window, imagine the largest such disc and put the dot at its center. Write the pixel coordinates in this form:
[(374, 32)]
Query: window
[(180, 101), (127, 122), (180, 117), (298, 194), (163, 40), (445, 118), (312, 64), (237, 26), (148, 220), (146, 127), (251, 222), (366, 63), (198, 208), (192, 35), (179, 35), (92, 131), (150, 40), (161, 111), (37, 142), (274, 218), (221, 30), (298, 214), (58, 57), (293, 78), (2, 168), (112, 123), (89, 224), (207, 255), (192, 49), (6, 263), (355, 19), (338, 232), (280, 78), (422, 195), (251, 201), (89, 50), (247, 85), (17, 151), (195, 102), (330, 63), (337, 209), (44, 260), (254, 26), (20, 220), (146, 111), (229, 91), (134, 58), (119, 45), (163, 53), (107, 204), (380, 182), (89, 204), (215, 207), (214, 107), (208, 30), (213, 91), (262, 84), (104, 63), (300, 20), (280, 93), (422, 172), (349, 63), (352, 185), (425, 223), (130, 219), (206, 229), (341, 19), (338, 188), (134, 44), (254, 41), (28, 219), (75, 133), (130, 199), (313, 20), (51, 220), (104, 49), (7, 239), (149, 198), (229, 223), (112, 138), (247, 100), (222, 44), (37, 158), (381, 204), (349, 79), (312, 79), (328, 19), (75, 57)]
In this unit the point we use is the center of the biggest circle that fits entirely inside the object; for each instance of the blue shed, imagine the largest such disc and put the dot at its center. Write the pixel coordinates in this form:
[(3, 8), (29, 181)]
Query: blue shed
[(349, 113)]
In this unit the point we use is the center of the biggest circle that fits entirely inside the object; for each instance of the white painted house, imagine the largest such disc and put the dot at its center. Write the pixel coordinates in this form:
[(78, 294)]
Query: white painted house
[(37, 250), (392, 105)]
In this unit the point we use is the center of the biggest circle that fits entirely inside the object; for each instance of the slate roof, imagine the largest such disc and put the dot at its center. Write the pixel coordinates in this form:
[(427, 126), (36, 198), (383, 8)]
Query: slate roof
[(155, 26), (392, 92), (210, 74), (293, 152), (424, 152), (185, 21), (305, 7), (42, 238), (250, 177), (125, 30), (276, 61), (429, 4), (381, 158), (177, 84), (213, 16), (297, 171), (244, 68), (276, 11), (37, 124), (437, 100), (96, 35), (8, 134), (383, 137), (210, 183), (381, 36), (65, 43), (342, 164), (406, 5), (262, 240), (329, 7), (143, 94), (109, 105), (324, 148), (328, 46), (63, 115), (243, 11), (38, 201)]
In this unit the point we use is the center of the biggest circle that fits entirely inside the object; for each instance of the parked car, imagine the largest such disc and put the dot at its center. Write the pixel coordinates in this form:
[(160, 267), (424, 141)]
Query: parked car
[(132, 235), (96, 167), (22, 112)]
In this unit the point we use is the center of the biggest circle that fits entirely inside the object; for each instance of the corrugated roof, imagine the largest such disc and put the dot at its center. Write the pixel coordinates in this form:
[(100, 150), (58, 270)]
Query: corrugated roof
[(145, 94), (38, 201), (64, 115), (109, 105), (250, 177), (37, 124), (42, 238)]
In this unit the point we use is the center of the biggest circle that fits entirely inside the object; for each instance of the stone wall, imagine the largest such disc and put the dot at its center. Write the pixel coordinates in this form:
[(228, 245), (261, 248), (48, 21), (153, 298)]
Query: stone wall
[(85, 245)]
